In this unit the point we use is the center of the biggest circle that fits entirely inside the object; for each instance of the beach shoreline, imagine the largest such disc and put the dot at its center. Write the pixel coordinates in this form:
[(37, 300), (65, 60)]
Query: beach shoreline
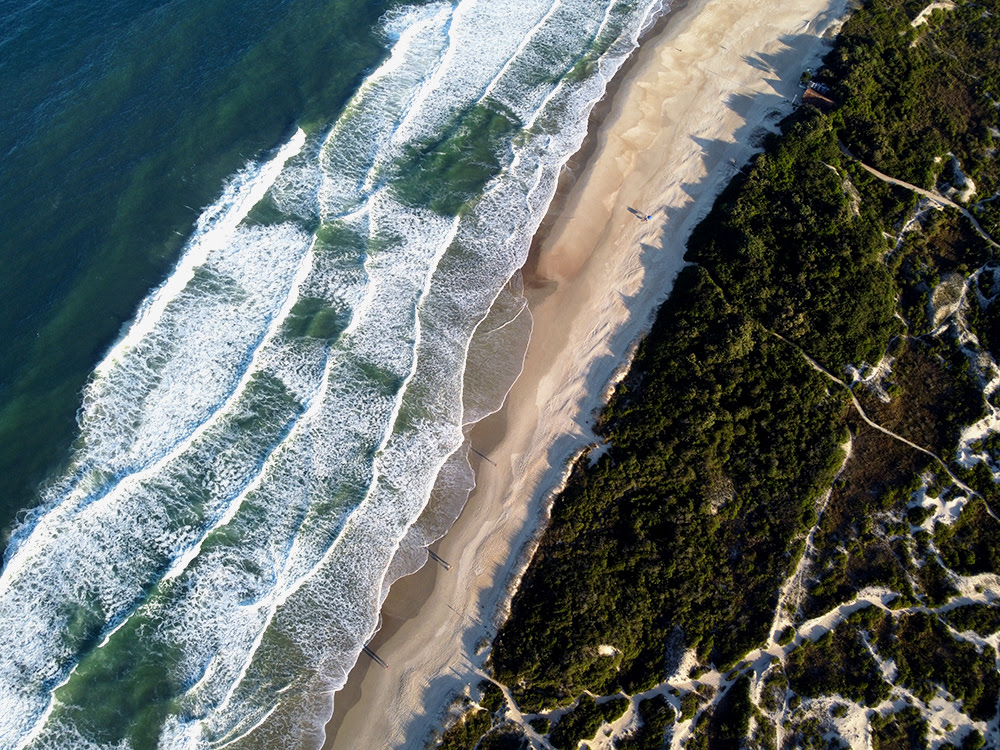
[(678, 121)]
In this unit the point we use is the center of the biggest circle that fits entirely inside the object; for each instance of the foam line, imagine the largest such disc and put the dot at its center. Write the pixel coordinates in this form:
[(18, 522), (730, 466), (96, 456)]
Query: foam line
[(215, 226), (288, 590), (532, 33), (129, 483)]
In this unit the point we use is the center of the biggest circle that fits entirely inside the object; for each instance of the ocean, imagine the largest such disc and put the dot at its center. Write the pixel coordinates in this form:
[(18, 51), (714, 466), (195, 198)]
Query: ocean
[(251, 254)]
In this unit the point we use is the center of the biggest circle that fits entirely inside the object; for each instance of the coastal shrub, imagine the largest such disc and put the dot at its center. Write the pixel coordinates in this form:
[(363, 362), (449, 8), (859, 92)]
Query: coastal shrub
[(903, 730), (492, 697), (983, 619), (928, 656), (505, 737), (792, 248), (540, 725), (656, 715), (839, 663), (971, 545), (974, 740), (583, 721), (772, 694), (764, 735), (728, 722), (812, 734), (466, 732), (689, 705), (906, 93)]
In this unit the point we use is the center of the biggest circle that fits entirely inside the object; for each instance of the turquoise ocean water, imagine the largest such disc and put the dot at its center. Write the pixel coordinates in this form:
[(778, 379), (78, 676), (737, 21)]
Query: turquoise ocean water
[(245, 247)]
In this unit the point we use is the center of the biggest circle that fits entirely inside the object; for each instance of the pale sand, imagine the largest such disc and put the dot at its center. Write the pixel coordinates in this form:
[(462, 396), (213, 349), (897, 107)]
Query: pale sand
[(685, 114)]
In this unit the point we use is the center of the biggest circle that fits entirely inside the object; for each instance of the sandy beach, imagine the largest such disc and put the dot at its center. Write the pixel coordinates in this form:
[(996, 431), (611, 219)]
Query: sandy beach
[(685, 114)]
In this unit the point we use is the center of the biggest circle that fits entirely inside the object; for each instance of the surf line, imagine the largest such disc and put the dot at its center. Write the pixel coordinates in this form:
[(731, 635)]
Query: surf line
[(214, 228)]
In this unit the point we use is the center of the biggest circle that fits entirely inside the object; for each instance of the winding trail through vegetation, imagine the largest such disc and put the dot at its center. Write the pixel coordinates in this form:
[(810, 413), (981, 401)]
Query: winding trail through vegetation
[(756, 663), (861, 412), (931, 194)]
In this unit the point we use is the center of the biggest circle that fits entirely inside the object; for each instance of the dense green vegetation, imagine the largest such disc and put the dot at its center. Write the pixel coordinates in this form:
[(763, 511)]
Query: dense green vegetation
[(723, 437), (504, 737), (811, 734), (729, 721), (927, 655), (972, 544), (690, 703), (792, 249), (655, 715), (903, 730), (583, 721), (839, 663), (981, 618), (491, 696), (974, 740), (465, 733), (905, 103)]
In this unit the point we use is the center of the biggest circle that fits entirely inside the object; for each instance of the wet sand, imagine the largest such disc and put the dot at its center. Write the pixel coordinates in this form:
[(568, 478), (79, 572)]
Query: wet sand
[(679, 121)]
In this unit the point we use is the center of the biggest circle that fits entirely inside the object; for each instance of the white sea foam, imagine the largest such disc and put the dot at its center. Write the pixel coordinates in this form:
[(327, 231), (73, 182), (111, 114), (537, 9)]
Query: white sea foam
[(248, 470), (214, 229)]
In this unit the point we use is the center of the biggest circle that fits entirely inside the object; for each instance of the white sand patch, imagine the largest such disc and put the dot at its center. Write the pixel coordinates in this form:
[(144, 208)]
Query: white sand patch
[(947, 297), (923, 15), (967, 456), (964, 188), (946, 722), (873, 378), (688, 662), (606, 650), (979, 589), (854, 728), (942, 511)]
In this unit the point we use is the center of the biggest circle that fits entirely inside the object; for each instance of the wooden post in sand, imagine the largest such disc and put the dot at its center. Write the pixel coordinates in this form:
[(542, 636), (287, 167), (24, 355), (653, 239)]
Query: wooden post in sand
[(375, 657), (434, 556), (482, 456)]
